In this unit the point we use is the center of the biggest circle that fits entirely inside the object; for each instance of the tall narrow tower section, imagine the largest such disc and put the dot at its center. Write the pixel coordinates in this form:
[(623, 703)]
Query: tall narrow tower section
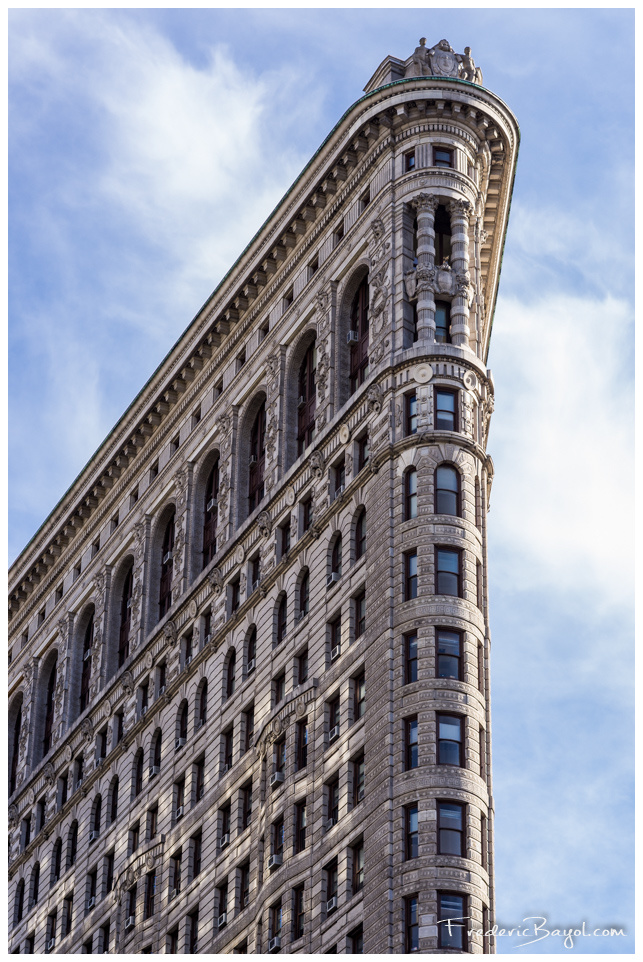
[(249, 649)]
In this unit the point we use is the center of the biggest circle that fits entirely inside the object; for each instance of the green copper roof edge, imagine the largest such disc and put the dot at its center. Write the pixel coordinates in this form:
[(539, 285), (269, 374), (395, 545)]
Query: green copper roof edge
[(109, 435)]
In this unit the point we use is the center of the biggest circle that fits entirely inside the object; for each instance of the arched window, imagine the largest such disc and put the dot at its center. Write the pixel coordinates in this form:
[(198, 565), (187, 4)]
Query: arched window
[(156, 753), (15, 751), (360, 535), (210, 515), (86, 675), (126, 617), (231, 673), (304, 594), (56, 860), (306, 399), (252, 650), (203, 705), (442, 227), (19, 902), (442, 322), (165, 587), (183, 721), (98, 808), (72, 844), (35, 883), (282, 619), (49, 709), (138, 773), (257, 459), (336, 557), (113, 802), (410, 494), (447, 490), (358, 336)]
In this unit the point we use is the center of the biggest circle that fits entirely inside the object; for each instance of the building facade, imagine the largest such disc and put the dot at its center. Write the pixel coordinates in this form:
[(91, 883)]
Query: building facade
[(249, 649)]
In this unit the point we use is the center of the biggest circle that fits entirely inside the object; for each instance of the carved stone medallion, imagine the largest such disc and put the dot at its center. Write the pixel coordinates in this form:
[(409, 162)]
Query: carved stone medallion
[(290, 495), (239, 555), (149, 661), (344, 434), (423, 373), (193, 609)]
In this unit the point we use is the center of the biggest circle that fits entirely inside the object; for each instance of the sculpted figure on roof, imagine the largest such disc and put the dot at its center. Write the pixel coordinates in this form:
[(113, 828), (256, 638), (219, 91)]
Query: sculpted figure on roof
[(442, 61)]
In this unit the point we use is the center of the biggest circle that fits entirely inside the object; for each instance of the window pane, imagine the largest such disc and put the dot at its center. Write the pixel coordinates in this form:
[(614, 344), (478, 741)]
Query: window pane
[(449, 728)]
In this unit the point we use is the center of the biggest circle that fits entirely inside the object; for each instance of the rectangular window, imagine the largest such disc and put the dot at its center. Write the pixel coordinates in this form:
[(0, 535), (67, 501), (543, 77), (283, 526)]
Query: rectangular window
[(298, 913), (244, 886), (176, 872), (411, 831), (452, 922), (358, 780), (150, 893), (409, 161), (411, 414), (197, 852), (68, 914), (356, 941), (483, 753), (307, 513), (278, 837), (302, 667), (357, 858), (481, 669), (313, 267), (279, 754), (365, 200), (410, 494), (359, 696), (330, 871), (199, 778), (448, 579), (109, 872), (333, 719), (284, 538), (442, 322), (451, 828), (449, 740), (442, 157), (339, 477), (445, 410), (246, 806), (301, 757), (274, 929), (411, 927), (335, 631), (410, 575), (193, 931), (154, 471), (228, 744), (479, 585), (410, 658), (360, 614), (172, 945), (280, 687), (235, 595), (483, 841), (223, 904), (362, 452), (333, 802), (249, 728), (449, 651), (411, 743), (338, 233), (300, 826)]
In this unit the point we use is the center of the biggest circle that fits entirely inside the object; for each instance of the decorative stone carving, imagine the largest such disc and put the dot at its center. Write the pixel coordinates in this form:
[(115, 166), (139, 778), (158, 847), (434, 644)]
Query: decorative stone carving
[(49, 773), (277, 726), (180, 481), (30, 797), (127, 682), (374, 398), (344, 434), (425, 202), (139, 540), (316, 462), (149, 860), (169, 632), (87, 729), (239, 554), (67, 753), (423, 373), (215, 578), (13, 816), (193, 609), (27, 673), (224, 421), (443, 61), (468, 69), (264, 523), (470, 381), (378, 352), (63, 631), (272, 363), (380, 295), (290, 495), (99, 588), (301, 707), (149, 661), (322, 299)]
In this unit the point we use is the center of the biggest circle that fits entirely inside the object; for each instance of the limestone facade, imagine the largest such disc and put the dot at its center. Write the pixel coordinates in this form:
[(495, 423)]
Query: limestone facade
[(283, 743)]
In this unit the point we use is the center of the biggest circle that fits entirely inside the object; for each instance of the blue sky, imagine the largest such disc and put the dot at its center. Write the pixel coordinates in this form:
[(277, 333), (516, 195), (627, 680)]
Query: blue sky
[(146, 147)]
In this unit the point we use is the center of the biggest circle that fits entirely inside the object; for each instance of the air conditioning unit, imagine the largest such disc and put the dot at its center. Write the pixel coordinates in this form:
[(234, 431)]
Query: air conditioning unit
[(167, 557), (225, 840), (161, 690), (352, 337), (212, 504), (188, 659), (301, 400), (87, 654), (178, 743), (331, 904), (179, 813), (339, 490), (91, 903), (130, 923), (335, 652), (251, 666), (331, 824), (93, 836), (154, 770), (276, 778), (332, 578), (274, 944), (360, 794), (252, 459), (50, 944), (333, 733), (223, 918), (173, 893), (275, 860)]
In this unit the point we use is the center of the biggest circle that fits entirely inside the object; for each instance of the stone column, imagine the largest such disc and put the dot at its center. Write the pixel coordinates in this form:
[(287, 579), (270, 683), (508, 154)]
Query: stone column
[(183, 489), (460, 211), (325, 354), (425, 206), (102, 583), (62, 691), (25, 741), (275, 394), (141, 550)]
